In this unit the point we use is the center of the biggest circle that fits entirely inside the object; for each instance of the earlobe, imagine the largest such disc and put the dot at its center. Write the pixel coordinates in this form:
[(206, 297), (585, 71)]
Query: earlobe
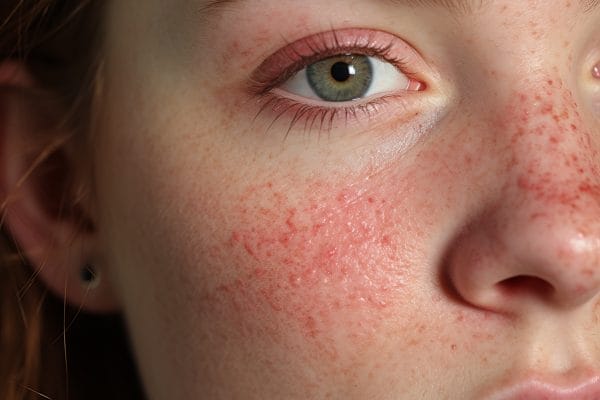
[(41, 206)]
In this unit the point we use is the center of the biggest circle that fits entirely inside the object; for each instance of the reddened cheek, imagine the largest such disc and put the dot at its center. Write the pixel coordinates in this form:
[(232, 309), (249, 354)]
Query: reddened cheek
[(333, 258)]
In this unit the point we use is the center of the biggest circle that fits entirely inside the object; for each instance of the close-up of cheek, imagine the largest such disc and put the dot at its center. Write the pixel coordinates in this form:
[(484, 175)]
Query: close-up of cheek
[(335, 271), (329, 259)]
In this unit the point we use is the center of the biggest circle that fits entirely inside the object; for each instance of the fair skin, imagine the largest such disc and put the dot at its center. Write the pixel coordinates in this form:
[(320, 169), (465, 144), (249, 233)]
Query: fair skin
[(440, 244)]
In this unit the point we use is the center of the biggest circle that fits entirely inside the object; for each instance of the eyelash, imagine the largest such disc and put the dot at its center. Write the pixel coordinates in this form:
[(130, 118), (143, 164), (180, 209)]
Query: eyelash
[(280, 67)]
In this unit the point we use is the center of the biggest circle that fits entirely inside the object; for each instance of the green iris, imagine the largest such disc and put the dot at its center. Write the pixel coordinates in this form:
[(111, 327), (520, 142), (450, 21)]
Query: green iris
[(341, 78)]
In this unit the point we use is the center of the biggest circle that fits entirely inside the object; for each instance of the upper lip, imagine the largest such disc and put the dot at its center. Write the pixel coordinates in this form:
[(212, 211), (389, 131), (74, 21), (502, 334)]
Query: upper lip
[(535, 389)]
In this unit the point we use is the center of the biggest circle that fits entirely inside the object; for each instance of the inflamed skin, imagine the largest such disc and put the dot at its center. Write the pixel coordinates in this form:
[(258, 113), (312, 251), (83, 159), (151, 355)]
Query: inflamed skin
[(437, 236)]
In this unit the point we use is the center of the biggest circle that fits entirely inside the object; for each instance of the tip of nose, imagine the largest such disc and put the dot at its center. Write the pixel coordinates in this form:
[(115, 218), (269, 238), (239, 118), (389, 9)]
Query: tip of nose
[(513, 267)]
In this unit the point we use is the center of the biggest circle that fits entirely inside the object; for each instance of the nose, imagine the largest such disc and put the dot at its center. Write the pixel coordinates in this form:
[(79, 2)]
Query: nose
[(537, 239)]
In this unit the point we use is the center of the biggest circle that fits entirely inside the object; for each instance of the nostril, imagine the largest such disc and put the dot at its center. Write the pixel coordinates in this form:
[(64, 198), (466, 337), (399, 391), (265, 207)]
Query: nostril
[(526, 285)]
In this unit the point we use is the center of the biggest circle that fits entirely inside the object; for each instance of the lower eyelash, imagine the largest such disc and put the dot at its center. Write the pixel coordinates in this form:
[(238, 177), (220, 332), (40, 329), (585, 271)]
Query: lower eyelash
[(319, 118)]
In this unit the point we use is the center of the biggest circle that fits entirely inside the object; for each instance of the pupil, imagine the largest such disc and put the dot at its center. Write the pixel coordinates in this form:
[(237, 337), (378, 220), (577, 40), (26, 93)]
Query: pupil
[(341, 71)]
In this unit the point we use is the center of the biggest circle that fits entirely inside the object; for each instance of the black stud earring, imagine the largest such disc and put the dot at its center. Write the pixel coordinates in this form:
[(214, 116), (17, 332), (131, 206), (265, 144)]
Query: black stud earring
[(89, 275)]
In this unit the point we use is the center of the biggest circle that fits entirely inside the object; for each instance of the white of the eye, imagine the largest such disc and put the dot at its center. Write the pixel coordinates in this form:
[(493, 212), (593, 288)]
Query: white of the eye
[(386, 78)]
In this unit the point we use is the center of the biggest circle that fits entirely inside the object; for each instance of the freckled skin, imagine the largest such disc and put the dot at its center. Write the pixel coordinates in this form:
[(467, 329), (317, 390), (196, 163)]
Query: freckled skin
[(551, 190), (559, 122), (258, 264), (330, 259), (337, 251), (334, 252)]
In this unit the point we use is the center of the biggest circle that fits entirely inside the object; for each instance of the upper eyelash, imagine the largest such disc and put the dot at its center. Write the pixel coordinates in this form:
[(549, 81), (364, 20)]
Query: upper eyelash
[(264, 79)]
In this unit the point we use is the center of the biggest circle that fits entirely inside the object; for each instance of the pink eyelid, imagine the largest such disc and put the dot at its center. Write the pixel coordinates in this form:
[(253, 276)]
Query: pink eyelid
[(280, 66)]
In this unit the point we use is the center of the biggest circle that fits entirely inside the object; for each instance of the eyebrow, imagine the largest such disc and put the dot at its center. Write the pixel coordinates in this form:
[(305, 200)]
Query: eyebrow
[(455, 6)]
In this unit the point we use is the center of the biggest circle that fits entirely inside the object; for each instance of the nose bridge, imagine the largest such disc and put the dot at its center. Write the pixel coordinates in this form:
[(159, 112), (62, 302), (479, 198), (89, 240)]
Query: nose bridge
[(550, 217), (553, 156)]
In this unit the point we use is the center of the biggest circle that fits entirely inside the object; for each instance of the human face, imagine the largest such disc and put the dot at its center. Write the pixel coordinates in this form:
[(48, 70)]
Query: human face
[(438, 238)]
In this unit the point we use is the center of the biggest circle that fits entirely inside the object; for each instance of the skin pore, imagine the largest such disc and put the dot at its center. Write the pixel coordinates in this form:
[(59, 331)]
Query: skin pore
[(433, 241)]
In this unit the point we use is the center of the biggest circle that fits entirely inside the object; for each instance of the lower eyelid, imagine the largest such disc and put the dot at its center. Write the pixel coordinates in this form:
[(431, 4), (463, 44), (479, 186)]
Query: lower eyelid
[(282, 113)]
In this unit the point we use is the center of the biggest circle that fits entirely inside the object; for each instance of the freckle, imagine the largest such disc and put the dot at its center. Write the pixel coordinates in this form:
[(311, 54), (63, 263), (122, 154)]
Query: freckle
[(371, 200), (537, 215), (289, 222), (311, 326), (284, 240), (453, 347)]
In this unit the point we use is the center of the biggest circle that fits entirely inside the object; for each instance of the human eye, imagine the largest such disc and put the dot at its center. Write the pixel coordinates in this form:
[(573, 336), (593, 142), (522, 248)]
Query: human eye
[(348, 77), (338, 77)]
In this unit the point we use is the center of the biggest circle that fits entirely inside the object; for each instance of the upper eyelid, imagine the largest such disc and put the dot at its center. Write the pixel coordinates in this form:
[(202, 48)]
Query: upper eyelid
[(277, 67)]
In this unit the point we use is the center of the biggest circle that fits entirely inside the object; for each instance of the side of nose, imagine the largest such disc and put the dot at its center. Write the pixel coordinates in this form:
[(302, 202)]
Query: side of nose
[(537, 240)]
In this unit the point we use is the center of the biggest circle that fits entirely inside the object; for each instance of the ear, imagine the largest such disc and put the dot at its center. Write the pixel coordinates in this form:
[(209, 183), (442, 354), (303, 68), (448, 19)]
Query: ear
[(41, 186)]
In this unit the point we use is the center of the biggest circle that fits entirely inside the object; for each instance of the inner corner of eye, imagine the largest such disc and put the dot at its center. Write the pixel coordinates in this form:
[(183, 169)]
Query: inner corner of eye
[(596, 70)]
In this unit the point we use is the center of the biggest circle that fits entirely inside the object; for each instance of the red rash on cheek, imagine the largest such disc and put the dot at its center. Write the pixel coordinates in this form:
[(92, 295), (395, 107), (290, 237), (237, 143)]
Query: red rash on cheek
[(331, 262)]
